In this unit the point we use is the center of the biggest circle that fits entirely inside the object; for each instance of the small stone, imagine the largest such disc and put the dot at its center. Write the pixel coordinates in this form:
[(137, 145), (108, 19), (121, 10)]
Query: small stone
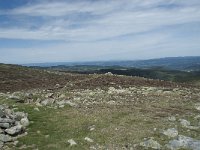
[(1, 144), (172, 118), (6, 120), (184, 122), (14, 130), (38, 104), (62, 96), (72, 142), (111, 102), (151, 144), (24, 122), (5, 138), (36, 109), (5, 125), (167, 92), (38, 132), (71, 103), (46, 136), (171, 132), (49, 95), (47, 102), (1, 131), (20, 115), (197, 106), (61, 106), (89, 139), (15, 143), (2, 113)]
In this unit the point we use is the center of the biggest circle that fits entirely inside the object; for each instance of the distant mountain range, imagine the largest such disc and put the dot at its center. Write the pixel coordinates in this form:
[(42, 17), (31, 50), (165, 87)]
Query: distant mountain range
[(189, 63)]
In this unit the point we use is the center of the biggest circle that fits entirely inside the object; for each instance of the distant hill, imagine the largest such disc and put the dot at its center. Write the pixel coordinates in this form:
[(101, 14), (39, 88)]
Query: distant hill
[(191, 63)]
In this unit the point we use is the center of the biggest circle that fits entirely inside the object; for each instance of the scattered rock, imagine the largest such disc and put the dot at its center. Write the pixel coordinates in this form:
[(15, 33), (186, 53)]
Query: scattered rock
[(4, 125), (1, 144), (24, 122), (62, 96), (72, 142), (49, 95), (172, 118), (36, 109), (20, 115), (197, 106), (167, 92), (111, 102), (171, 132), (151, 144), (6, 120), (48, 102), (16, 98), (2, 113), (61, 106), (71, 103), (15, 143), (184, 122), (184, 143), (5, 138), (187, 125), (109, 74), (14, 130), (91, 128), (89, 139)]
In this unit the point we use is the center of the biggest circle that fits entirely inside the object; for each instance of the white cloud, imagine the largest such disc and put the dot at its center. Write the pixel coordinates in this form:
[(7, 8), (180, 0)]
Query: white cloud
[(114, 18), (102, 29)]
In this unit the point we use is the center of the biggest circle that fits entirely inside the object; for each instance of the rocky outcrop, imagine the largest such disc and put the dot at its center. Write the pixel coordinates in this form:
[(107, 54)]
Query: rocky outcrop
[(12, 124)]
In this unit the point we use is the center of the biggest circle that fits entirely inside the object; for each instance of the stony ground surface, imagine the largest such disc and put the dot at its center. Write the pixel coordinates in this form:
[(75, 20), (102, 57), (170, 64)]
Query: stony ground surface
[(106, 112)]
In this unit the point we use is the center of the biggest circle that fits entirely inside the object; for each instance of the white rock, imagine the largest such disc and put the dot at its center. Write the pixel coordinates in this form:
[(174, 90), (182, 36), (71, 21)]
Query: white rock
[(172, 118), (14, 130), (184, 142), (151, 144), (47, 102), (197, 106), (88, 139), (72, 142), (171, 132), (184, 122), (1, 144), (36, 109), (5, 125), (24, 122), (5, 138)]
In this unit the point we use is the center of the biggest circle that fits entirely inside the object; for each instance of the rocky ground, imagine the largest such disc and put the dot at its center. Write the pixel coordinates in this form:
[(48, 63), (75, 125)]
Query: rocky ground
[(102, 112)]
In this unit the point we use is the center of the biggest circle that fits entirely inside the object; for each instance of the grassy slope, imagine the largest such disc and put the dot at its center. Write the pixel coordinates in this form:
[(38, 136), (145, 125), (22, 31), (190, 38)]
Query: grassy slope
[(115, 126)]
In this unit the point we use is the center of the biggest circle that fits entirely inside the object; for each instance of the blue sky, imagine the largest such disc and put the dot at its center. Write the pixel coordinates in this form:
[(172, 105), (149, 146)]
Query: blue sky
[(90, 30)]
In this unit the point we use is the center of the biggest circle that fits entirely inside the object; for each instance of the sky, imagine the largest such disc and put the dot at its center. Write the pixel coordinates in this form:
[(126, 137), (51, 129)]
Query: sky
[(38, 31)]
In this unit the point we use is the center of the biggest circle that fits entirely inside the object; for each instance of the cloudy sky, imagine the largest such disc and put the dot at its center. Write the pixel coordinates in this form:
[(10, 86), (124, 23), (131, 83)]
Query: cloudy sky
[(88, 30)]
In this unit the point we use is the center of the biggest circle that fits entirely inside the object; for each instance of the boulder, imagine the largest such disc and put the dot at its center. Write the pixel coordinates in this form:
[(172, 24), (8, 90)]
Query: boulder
[(14, 130), (184, 142), (6, 120), (5, 138), (5, 125)]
